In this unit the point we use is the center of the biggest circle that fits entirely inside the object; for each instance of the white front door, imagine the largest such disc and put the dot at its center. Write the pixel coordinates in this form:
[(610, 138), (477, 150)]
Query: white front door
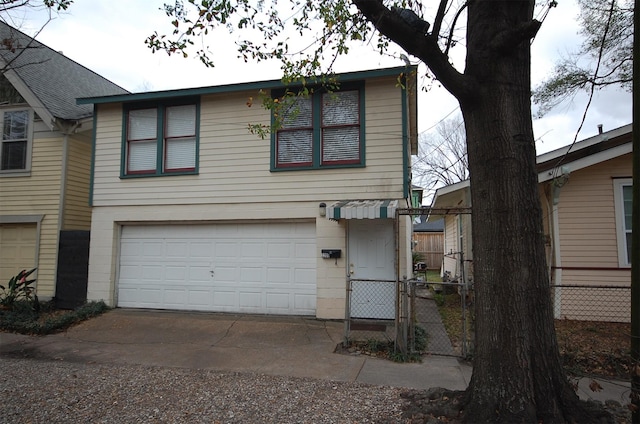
[(372, 268)]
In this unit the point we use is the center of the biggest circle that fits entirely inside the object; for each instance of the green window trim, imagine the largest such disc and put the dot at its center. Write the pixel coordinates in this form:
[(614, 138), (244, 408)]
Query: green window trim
[(162, 137), (316, 128)]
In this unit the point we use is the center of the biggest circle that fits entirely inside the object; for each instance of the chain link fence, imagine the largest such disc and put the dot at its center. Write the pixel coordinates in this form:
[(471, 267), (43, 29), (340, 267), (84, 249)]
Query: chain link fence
[(592, 303), (372, 311), (420, 317), (405, 316)]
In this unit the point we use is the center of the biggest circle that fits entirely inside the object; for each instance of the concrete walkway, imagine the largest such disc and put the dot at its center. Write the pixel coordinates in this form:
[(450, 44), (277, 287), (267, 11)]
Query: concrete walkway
[(284, 346)]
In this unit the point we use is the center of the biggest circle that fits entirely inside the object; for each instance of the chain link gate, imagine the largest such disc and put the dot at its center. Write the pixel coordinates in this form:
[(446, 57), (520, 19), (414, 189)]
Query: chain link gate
[(426, 332), (403, 313)]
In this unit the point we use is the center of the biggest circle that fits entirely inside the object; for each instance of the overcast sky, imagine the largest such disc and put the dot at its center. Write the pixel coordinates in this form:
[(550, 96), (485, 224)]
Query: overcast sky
[(107, 36)]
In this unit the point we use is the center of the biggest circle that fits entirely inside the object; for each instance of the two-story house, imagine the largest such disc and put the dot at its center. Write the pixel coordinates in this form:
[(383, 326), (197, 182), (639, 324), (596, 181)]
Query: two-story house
[(45, 155), (191, 211)]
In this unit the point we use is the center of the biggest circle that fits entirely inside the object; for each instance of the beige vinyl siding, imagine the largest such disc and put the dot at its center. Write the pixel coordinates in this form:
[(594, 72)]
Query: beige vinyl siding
[(77, 213), (587, 215), (38, 194), (233, 162)]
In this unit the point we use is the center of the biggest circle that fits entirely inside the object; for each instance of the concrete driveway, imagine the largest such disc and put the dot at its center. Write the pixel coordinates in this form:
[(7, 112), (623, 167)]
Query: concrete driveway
[(285, 346)]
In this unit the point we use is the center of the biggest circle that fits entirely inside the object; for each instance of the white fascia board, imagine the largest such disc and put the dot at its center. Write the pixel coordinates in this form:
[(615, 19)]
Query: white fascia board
[(31, 98), (588, 161), (558, 153)]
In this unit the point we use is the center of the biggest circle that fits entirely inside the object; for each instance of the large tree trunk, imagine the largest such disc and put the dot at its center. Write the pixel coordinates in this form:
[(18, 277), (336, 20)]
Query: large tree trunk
[(517, 371), (517, 374)]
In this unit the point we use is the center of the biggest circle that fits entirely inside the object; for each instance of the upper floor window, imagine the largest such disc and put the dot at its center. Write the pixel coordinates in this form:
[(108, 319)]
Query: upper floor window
[(623, 195), (323, 129), (16, 135), (161, 140)]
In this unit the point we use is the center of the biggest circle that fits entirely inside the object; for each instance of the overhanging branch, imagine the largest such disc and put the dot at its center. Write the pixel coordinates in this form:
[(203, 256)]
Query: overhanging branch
[(506, 41), (424, 47)]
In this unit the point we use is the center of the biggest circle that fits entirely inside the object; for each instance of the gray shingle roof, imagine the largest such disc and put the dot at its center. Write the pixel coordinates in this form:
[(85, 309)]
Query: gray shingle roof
[(53, 78), (424, 226)]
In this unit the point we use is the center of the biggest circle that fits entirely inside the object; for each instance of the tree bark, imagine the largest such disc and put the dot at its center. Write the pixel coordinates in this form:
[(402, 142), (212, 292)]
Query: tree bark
[(517, 370)]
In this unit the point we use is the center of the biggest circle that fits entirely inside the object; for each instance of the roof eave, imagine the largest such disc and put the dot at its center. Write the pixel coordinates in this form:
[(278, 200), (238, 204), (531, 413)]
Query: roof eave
[(230, 88)]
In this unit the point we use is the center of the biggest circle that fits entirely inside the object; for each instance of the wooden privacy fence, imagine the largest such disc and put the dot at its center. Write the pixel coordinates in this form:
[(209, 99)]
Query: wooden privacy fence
[(430, 246)]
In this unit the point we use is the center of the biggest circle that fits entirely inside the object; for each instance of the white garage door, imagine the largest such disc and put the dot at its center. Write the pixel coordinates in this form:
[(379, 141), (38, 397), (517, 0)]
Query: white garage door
[(251, 268)]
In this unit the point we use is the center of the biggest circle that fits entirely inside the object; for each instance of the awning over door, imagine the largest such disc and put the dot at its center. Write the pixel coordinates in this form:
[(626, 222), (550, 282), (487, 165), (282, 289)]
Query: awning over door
[(362, 209)]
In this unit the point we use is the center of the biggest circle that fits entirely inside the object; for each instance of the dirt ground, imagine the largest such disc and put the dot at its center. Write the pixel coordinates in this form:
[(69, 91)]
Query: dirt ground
[(595, 348)]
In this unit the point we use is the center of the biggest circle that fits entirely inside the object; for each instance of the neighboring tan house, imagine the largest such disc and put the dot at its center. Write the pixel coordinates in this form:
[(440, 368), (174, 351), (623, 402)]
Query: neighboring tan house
[(586, 196), (191, 211), (45, 155)]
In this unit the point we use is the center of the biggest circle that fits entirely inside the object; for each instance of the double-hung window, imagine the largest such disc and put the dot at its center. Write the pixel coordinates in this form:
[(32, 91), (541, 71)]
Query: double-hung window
[(161, 140), (16, 135), (623, 196), (320, 130)]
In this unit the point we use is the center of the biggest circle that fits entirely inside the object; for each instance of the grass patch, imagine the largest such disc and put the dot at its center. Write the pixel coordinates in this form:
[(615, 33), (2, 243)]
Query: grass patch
[(450, 308), (23, 318)]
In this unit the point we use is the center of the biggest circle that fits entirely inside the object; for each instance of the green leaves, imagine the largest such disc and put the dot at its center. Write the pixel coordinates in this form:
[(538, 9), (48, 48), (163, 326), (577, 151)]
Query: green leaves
[(324, 31), (18, 288)]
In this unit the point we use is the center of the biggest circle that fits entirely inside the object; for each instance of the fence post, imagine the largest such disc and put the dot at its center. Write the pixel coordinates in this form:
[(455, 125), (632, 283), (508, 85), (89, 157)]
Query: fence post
[(401, 317), (347, 308)]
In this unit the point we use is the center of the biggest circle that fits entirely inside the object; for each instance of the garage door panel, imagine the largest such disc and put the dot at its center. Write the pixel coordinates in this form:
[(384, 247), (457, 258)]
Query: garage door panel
[(250, 275), (225, 299), (199, 297), (278, 301), (305, 302), (177, 249), (200, 249), (279, 276), (282, 250), (251, 300), (250, 251), (152, 250), (226, 249), (261, 268)]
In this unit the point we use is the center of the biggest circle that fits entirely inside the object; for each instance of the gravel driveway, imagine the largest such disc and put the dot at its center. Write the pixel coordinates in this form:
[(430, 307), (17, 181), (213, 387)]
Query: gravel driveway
[(35, 391)]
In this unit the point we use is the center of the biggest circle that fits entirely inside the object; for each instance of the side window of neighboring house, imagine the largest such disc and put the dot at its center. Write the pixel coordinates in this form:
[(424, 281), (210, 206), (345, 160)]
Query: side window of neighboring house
[(161, 140), (623, 202), (321, 130), (15, 154)]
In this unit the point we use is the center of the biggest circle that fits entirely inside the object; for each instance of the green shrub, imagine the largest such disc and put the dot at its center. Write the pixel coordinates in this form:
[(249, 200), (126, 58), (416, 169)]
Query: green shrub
[(420, 338), (23, 318)]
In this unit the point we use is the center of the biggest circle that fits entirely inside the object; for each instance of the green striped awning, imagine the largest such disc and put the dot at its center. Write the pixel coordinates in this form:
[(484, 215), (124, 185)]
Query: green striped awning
[(362, 209)]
